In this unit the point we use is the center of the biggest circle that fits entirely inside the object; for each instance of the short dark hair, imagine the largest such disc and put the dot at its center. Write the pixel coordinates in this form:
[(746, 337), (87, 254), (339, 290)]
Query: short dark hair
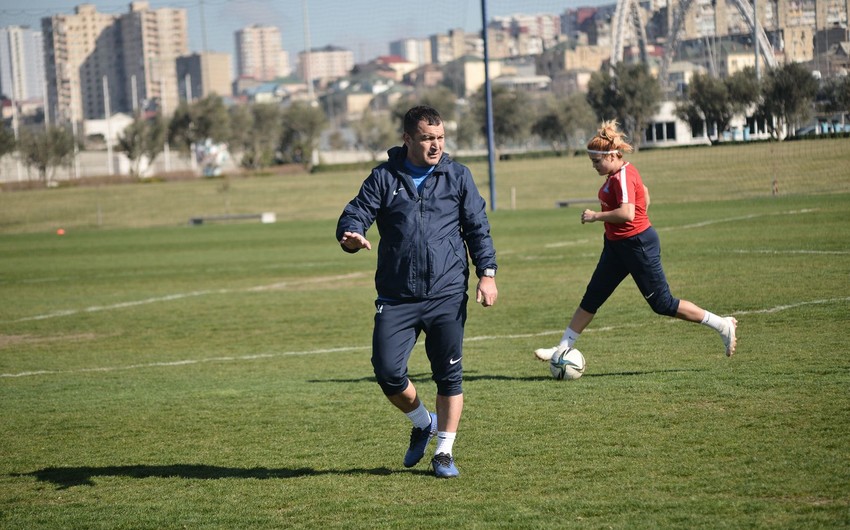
[(421, 113)]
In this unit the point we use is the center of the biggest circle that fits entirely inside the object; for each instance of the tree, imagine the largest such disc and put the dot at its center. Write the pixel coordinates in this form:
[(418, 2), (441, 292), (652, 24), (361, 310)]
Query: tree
[(241, 125), (744, 89), (211, 118), (440, 98), (181, 129), (7, 142), (512, 114), (631, 96), (260, 140), (303, 124), (714, 102), (46, 150), (337, 141), (788, 93), (562, 123), (375, 132), (142, 139), (468, 133), (842, 94), (706, 100), (204, 119), (833, 96)]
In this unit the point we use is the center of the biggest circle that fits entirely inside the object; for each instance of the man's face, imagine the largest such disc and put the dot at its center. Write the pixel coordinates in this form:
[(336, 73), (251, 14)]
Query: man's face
[(425, 146)]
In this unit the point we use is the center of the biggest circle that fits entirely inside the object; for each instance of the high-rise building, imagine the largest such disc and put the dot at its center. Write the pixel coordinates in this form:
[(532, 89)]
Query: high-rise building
[(326, 64), (79, 51), (21, 63), (417, 51), (152, 40), (259, 54), (446, 47), (202, 74), (131, 58)]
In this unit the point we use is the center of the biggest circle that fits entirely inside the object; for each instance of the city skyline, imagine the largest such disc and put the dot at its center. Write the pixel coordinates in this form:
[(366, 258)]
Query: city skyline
[(352, 25)]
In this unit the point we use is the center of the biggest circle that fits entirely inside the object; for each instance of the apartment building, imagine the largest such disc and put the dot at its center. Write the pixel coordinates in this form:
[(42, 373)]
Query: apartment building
[(323, 65), (446, 47), (417, 51), (152, 40), (80, 50), (21, 63), (259, 54), (95, 61), (203, 74)]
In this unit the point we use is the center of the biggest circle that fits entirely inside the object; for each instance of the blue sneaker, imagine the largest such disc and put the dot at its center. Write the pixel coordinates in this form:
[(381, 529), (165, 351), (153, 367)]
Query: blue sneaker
[(444, 466), (419, 439)]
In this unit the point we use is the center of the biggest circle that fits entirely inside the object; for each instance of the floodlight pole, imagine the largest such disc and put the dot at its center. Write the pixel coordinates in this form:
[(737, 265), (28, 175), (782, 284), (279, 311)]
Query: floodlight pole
[(491, 147)]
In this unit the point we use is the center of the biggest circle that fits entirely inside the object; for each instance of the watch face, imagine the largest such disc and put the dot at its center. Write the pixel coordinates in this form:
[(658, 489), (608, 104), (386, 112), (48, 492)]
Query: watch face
[(490, 273)]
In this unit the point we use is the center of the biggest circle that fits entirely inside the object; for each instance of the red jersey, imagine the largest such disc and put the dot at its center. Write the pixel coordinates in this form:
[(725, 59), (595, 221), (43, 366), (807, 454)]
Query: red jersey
[(624, 186)]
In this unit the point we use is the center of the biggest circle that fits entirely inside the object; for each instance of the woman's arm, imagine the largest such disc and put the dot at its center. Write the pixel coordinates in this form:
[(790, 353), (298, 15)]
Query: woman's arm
[(624, 214)]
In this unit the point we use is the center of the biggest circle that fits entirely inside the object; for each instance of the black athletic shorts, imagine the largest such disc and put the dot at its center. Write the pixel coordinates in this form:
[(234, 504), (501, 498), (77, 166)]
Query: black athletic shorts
[(397, 328)]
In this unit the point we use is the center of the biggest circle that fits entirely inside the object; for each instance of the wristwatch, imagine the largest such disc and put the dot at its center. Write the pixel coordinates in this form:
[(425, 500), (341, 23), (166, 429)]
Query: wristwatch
[(490, 273)]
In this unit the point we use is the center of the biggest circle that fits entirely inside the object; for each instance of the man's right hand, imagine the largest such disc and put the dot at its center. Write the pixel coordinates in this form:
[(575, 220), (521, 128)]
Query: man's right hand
[(354, 241)]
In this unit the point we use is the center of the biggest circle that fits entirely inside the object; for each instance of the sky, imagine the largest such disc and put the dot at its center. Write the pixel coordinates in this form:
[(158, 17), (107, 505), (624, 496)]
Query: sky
[(366, 27)]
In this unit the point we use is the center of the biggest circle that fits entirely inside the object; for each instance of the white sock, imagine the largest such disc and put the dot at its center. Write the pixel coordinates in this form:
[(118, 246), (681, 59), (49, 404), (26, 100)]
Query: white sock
[(713, 321), (420, 416), (445, 441), (570, 337)]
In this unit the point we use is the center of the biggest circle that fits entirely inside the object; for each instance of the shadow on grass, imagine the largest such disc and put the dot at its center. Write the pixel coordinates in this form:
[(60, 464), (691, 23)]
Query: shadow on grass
[(474, 376), (68, 477)]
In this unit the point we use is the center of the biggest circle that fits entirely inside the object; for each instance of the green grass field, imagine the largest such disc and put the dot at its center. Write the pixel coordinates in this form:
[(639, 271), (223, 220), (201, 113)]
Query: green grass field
[(158, 375)]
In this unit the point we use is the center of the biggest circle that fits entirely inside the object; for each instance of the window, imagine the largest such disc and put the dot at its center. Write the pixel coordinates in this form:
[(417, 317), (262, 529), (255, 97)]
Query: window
[(660, 132), (699, 130), (756, 126)]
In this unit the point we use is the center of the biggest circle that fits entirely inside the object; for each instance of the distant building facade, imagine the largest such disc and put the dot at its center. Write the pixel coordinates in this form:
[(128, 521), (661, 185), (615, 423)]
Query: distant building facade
[(323, 65), (152, 40), (259, 53), (21, 63), (125, 61), (416, 51), (203, 74)]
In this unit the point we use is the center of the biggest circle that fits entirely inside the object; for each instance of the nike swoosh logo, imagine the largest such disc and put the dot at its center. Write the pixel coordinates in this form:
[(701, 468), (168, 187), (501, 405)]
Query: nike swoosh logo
[(650, 295), (455, 361), (396, 191)]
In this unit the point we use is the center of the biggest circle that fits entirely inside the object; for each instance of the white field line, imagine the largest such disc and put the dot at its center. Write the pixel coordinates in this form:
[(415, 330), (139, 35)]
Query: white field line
[(801, 251), (567, 243), (735, 219), (180, 296), (282, 285), (184, 362), (779, 308), (360, 348)]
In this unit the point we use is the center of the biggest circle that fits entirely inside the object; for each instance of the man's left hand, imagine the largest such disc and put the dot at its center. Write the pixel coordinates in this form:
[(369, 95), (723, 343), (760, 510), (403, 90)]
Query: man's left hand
[(486, 292)]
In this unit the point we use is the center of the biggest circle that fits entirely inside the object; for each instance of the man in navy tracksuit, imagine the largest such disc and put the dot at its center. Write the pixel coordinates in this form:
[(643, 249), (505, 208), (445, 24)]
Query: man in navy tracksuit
[(430, 217)]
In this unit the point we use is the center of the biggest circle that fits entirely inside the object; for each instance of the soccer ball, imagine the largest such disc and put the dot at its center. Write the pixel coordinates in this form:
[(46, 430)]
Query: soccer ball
[(568, 365)]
